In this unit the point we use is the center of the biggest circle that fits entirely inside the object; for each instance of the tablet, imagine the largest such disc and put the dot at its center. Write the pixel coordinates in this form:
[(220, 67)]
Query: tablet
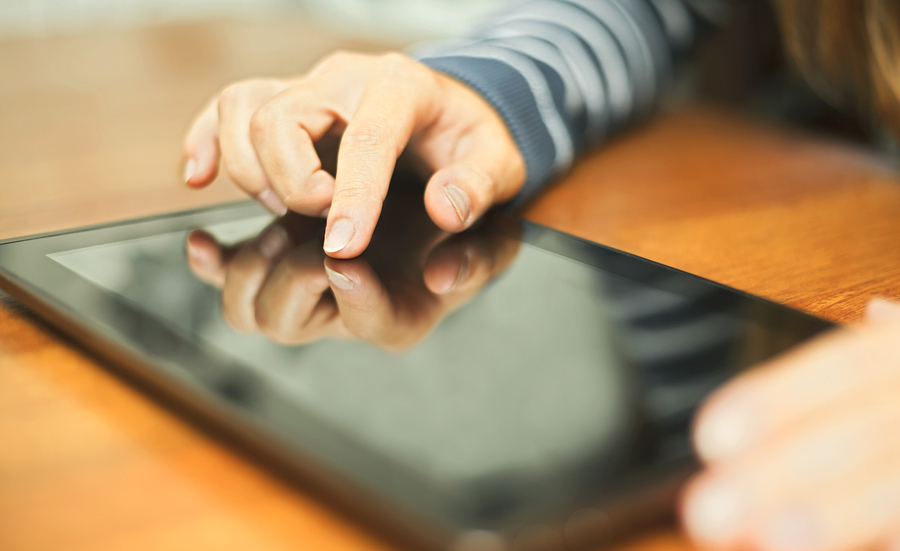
[(510, 387)]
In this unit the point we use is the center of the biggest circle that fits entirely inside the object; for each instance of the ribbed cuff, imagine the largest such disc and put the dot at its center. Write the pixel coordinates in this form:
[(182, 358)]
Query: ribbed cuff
[(507, 90)]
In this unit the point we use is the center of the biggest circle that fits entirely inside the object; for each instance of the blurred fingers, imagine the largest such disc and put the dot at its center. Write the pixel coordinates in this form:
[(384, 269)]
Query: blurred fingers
[(831, 487), (797, 387), (880, 311), (206, 258)]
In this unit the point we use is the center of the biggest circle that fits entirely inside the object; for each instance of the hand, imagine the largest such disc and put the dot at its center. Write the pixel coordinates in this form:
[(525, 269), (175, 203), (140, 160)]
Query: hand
[(265, 132), (803, 454), (282, 284)]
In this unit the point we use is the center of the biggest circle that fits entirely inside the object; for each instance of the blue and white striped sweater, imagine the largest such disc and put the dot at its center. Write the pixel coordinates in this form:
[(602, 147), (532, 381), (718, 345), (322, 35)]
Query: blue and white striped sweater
[(564, 74)]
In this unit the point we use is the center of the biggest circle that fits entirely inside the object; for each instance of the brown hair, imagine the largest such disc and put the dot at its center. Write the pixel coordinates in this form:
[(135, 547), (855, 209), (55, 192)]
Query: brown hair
[(849, 50)]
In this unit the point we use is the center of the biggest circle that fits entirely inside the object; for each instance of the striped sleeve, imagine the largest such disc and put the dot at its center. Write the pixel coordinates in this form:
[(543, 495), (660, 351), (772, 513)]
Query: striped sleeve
[(564, 74)]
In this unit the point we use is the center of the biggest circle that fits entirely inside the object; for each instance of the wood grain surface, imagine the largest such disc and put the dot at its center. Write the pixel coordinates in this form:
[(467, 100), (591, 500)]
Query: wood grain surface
[(90, 130)]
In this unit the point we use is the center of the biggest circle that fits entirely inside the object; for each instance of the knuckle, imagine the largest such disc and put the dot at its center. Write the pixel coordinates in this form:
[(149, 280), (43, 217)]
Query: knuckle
[(370, 135), (245, 90), (232, 94), (310, 204), (357, 193), (241, 173), (395, 63), (260, 124), (337, 59), (336, 56)]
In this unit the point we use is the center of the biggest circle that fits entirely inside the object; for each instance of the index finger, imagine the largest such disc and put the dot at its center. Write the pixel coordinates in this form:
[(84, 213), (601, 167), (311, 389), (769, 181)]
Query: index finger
[(385, 119)]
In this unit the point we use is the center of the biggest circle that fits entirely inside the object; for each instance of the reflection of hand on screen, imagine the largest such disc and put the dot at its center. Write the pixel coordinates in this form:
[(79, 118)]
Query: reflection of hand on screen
[(282, 284)]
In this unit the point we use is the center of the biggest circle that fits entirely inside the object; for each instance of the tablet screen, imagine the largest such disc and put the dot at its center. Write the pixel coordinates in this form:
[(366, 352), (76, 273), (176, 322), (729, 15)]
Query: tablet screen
[(513, 381)]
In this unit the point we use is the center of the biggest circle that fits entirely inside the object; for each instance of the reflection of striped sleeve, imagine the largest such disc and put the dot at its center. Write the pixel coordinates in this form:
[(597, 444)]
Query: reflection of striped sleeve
[(565, 73)]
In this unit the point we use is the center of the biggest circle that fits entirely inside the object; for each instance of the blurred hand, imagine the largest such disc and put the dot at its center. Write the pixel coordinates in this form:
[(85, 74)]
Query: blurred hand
[(281, 283), (265, 132), (803, 454)]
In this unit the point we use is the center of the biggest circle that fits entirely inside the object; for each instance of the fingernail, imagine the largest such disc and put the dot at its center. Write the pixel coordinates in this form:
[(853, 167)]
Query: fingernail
[(460, 276), (274, 242), (339, 236), (715, 514), (460, 202), (339, 280), (272, 201), (190, 167), (728, 429), (199, 254), (791, 530)]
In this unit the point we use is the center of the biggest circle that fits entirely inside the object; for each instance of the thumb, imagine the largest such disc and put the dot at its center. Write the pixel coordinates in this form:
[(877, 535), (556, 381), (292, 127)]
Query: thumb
[(459, 194)]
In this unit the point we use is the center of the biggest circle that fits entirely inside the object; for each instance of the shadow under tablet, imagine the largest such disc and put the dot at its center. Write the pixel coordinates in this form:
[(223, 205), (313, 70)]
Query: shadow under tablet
[(545, 400)]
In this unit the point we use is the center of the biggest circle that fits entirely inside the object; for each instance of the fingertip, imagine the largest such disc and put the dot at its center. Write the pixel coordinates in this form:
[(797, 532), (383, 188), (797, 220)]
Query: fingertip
[(340, 281), (713, 511), (728, 425), (190, 167), (199, 171), (880, 311), (449, 207), (204, 256), (345, 238), (269, 199), (312, 197), (456, 197), (446, 271)]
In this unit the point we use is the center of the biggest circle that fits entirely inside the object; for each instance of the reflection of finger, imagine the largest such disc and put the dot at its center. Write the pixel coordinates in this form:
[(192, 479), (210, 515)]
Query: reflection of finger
[(829, 487), (246, 274), (284, 132), (365, 305), (237, 104), (201, 148), (467, 262), (445, 269), (206, 258), (291, 307), (800, 385)]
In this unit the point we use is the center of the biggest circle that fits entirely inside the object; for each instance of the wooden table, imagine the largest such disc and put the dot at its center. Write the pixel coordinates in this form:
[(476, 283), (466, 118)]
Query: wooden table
[(90, 130)]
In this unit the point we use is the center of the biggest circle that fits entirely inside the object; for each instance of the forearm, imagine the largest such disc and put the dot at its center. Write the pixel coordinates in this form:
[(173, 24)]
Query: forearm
[(565, 74)]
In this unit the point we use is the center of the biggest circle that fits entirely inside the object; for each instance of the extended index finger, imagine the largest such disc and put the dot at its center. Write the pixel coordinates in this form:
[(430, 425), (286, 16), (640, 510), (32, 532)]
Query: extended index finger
[(389, 111)]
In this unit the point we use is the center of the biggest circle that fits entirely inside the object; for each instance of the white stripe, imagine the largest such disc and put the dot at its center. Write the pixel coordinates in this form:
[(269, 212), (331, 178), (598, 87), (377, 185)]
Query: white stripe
[(542, 51), (637, 51), (677, 20), (602, 44), (543, 97), (590, 83)]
